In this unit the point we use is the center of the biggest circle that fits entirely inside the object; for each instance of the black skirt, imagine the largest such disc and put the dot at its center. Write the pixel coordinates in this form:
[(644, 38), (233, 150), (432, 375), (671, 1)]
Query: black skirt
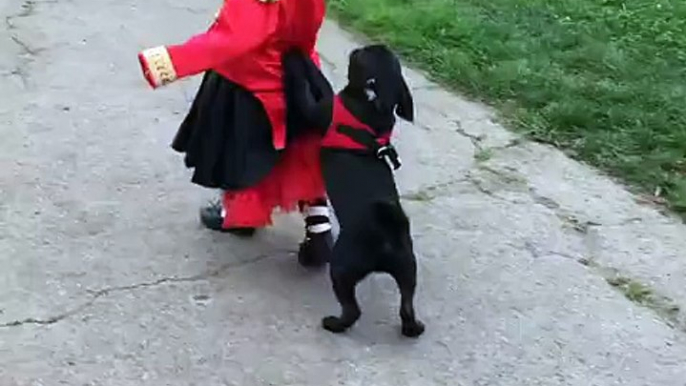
[(226, 136)]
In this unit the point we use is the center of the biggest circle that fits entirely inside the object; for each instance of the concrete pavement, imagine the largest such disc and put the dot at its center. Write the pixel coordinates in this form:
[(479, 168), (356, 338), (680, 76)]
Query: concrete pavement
[(535, 269)]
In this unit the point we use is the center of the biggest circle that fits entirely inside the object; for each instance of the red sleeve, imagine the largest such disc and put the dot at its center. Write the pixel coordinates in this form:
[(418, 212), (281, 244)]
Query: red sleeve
[(242, 26)]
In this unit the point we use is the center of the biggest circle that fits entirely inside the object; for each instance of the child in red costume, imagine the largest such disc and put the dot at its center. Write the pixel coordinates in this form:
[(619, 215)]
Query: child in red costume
[(235, 135)]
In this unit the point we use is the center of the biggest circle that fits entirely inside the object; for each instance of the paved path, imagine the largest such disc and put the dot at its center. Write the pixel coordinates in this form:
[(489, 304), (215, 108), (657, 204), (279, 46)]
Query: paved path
[(106, 277)]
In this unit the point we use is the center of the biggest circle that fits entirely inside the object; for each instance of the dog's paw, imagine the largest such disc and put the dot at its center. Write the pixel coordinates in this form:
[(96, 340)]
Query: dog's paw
[(413, 330), (334, 324)]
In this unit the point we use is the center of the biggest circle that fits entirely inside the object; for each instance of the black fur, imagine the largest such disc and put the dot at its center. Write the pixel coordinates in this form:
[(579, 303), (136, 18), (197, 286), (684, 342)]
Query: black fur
[(375, 231), (380, 244), (377, 68)]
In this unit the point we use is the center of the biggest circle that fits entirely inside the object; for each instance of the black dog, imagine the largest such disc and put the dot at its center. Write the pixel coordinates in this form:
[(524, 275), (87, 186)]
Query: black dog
[(356, 125)]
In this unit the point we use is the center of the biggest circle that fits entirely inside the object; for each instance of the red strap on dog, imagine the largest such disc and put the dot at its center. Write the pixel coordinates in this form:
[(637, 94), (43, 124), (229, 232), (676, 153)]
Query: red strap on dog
[(343, 117)]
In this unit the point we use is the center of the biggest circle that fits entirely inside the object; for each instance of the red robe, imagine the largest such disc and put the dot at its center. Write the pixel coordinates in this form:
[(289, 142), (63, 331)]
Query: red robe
[(244, 44)]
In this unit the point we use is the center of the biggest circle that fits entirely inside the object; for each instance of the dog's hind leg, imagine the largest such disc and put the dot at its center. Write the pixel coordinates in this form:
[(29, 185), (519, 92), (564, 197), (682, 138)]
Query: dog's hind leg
[(407, 283), (344, 288)]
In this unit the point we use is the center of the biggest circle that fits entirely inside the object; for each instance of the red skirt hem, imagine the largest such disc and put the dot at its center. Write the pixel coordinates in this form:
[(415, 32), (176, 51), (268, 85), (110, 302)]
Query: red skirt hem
[(296, 177)]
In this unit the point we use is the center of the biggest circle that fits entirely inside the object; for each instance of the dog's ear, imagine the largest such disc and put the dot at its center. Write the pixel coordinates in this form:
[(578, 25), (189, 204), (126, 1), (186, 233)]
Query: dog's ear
[(405, 107), (356, 70)]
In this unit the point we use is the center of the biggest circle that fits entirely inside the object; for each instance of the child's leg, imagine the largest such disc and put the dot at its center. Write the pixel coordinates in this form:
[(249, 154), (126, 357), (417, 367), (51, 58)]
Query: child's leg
[(315, 250), (237, 212), (316, 214)]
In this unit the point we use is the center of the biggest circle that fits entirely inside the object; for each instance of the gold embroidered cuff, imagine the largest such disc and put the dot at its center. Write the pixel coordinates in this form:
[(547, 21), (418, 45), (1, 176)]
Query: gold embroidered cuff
[(159, 65)]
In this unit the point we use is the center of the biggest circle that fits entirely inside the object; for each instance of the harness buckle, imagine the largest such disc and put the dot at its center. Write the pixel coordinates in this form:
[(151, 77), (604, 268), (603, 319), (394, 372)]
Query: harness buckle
[(389, 155)]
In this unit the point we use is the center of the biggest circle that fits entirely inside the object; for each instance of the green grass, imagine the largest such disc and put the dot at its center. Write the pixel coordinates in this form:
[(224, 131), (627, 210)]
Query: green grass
[(603, 79), (634, 291), (483, 154), (642, 294)]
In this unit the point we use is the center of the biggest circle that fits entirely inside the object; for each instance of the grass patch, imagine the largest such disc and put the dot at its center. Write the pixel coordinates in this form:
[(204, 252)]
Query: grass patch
[(604, 80), (642, 294), (483, 155), (420, 196), (634, 291)]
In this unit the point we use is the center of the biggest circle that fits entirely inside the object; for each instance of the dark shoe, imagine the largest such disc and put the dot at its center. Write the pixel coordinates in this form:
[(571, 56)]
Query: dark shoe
[(315, 250), (211, 218)]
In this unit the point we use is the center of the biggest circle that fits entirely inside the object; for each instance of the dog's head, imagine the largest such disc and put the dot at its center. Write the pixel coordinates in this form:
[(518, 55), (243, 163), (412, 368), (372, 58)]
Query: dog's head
[(376, 71), (389, 230)]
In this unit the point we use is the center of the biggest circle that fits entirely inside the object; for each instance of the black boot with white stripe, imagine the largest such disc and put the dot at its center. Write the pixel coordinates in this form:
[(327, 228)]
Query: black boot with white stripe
[(315, 250)]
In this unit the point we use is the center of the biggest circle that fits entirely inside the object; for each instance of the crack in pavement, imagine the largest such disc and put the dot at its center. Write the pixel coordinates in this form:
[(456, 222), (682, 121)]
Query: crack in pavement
[(192, 10), (96, 295), (477, 140), (639, 293), (664, 307), (28, 8), (27, 49), (23, 76), (425, 193), (635, 291), (431, 192), (569, 219), (481, 187)]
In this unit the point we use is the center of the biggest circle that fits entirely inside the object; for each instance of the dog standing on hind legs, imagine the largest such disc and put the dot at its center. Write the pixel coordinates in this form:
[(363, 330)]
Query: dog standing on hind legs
[(358, 162)]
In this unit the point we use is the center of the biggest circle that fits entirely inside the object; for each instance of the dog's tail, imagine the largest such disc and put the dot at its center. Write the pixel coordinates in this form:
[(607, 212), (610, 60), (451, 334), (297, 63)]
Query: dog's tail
[(388, 228)]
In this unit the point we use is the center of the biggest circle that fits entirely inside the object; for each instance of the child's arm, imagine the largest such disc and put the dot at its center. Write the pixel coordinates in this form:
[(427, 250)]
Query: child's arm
[(241, 27)]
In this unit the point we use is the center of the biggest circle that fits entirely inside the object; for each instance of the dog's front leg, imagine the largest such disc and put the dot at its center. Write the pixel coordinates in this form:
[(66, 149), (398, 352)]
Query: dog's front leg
[(344, 288)]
